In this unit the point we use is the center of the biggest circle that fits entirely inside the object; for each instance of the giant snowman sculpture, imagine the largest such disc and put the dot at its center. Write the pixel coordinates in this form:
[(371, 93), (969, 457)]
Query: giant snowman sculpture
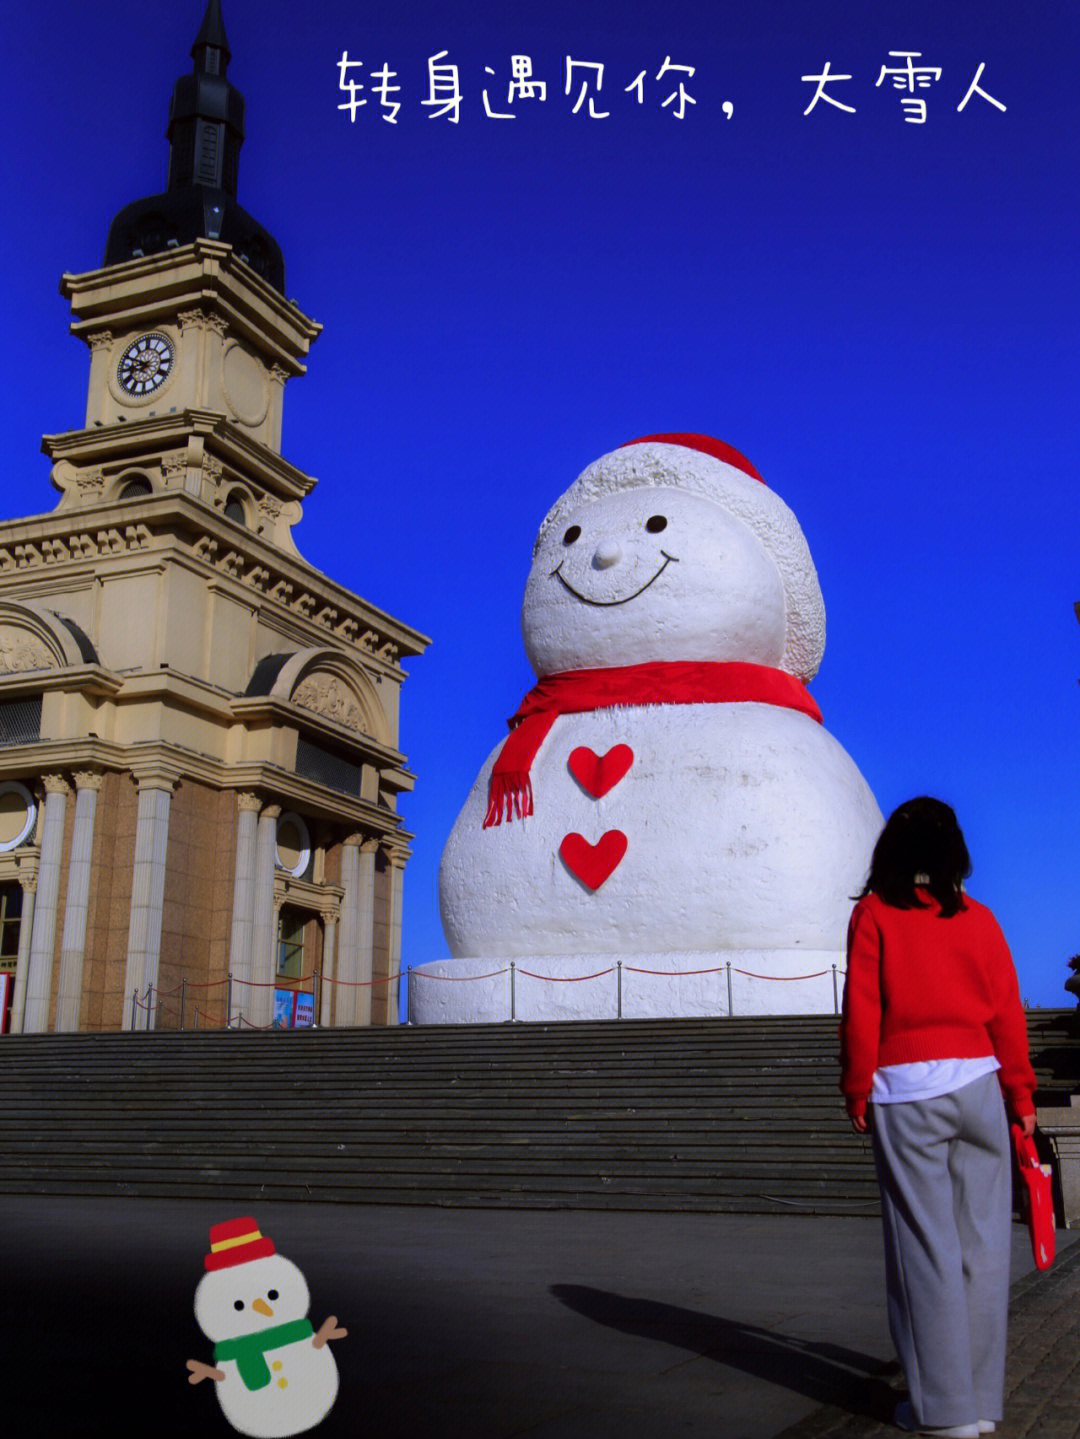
[(668, 829)]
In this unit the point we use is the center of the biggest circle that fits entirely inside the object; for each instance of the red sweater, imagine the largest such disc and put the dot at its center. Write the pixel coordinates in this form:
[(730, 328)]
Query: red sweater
[(922, 987)]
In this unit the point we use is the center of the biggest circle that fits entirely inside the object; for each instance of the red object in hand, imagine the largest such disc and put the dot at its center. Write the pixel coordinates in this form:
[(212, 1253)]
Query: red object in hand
[(1040, 1205)]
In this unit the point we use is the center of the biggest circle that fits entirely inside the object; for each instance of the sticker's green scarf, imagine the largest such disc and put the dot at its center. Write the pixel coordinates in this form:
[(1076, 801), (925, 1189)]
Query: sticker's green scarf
[(249, 1348)]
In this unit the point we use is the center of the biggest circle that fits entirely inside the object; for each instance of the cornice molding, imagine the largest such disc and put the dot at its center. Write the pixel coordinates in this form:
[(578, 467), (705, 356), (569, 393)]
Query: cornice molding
[(172, 525), (168, 433), (201, 275), (289, 790), (77, 679)]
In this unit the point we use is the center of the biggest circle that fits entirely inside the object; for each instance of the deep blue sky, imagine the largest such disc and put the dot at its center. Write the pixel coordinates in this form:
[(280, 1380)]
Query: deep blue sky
[(881, 315)]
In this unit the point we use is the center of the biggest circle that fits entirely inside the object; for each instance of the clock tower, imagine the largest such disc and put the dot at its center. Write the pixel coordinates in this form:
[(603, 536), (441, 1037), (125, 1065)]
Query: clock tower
[(198, 730)]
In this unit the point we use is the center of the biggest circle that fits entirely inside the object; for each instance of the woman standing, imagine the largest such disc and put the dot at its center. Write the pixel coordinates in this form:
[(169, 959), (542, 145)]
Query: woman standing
[(933, 1034)]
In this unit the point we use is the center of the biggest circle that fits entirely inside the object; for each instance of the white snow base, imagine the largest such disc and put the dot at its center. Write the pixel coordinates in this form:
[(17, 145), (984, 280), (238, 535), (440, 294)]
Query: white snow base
[(586, 986)]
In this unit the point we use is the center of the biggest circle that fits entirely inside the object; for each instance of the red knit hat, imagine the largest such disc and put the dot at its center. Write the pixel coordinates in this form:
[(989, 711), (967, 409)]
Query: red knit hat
[(235, 1242), (706, 444)]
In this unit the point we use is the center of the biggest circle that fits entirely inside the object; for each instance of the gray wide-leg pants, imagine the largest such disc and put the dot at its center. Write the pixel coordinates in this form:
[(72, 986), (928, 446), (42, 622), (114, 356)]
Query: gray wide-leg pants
[(946, 1191)]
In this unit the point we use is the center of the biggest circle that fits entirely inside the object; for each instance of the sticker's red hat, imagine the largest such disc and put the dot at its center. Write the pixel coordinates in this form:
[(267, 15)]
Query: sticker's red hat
[(706, 444), (235, 1242)]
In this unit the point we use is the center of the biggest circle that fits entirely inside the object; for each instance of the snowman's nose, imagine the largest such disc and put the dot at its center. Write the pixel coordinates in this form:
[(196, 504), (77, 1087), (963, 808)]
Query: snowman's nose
[(608, 553), (260, 1306)]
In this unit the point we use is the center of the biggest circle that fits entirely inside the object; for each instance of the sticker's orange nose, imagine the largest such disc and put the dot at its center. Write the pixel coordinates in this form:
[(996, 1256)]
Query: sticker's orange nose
[(261, 1307)]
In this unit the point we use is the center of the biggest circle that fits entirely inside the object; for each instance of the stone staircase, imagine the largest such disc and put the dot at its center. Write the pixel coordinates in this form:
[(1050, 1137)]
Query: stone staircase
[(680, 1114)]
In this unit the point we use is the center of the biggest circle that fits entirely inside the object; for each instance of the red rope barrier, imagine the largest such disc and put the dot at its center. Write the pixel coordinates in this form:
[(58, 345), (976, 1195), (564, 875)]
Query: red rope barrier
[(462, 978), (200, 1014), (567, 978), (785, 977), (274, 984), (674, 973), (363, 983)]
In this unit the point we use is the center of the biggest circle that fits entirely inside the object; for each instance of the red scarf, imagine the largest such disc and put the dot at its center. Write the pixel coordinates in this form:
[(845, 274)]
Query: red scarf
[(663, 682)]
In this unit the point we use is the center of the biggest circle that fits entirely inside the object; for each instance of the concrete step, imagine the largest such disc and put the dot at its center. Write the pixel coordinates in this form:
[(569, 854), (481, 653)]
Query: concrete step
[(701, 1115)]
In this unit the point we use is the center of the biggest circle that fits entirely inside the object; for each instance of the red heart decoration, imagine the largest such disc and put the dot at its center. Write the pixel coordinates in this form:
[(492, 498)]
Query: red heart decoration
[(593, 863), (596, 774)]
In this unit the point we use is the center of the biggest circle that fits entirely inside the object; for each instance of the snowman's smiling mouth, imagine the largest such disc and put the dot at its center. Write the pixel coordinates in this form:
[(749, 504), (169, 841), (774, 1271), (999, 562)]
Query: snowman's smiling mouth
[(555, 574)]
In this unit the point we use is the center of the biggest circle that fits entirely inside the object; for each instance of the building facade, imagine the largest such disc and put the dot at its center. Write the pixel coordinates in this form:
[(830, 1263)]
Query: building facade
[(199, 762)]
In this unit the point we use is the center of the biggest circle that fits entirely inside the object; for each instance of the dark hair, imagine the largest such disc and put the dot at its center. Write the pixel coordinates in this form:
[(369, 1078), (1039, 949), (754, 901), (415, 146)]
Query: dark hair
[(921, 837)]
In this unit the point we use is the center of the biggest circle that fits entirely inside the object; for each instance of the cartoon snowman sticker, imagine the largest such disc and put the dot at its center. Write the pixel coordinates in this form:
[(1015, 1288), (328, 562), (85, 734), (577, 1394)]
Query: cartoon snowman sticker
[(668, 787), (274, 1373)]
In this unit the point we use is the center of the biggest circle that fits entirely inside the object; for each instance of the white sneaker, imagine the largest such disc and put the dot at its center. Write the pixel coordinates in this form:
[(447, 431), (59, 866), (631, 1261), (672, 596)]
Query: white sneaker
[(986, 1426), (904, 1418)]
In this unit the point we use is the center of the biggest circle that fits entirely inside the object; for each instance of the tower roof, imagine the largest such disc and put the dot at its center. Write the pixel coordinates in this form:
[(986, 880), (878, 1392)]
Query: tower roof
[(206, 130)]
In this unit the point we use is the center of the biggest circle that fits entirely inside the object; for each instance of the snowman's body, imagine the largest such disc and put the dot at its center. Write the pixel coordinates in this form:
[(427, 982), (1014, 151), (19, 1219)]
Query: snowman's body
[(747, 827), (302, 1389), (303, 1381), (664, 831)]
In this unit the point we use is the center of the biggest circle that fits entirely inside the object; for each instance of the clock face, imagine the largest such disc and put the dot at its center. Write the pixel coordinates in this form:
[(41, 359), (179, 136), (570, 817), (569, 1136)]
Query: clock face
[(145, 365)]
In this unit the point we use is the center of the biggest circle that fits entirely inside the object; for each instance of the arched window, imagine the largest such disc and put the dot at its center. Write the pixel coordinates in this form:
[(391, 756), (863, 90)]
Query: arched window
[(234, 509), (135, 489)]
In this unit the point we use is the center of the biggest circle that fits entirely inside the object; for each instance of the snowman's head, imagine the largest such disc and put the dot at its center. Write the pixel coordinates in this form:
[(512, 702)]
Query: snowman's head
[(663, 550), (250, 1297)]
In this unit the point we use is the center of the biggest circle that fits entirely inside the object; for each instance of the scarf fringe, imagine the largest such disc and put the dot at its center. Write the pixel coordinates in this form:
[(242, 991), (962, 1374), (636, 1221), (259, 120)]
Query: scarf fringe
[(511, 793)]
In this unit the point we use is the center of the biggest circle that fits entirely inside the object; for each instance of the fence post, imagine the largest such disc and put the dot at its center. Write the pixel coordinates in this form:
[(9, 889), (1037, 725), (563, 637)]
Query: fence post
[(149, 1005), (134, 1004), (409, 994), (513, 999), (316, 998), (228, 1000), (730, 1007), (196, 1024), (618, 967), (183, 997), (835, 1000)]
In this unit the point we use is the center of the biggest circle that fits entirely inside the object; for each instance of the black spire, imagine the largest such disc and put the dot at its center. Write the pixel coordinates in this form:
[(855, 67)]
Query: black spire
[(206, 117), (211, 36), (206, 130)]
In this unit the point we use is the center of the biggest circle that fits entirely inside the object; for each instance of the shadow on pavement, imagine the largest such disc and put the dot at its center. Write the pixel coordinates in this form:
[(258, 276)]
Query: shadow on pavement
[(826, 1373)]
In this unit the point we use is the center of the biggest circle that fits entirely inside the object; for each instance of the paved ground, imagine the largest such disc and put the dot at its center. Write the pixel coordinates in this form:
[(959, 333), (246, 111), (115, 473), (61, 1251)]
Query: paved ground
[(497, 1323), (1042, 1378)]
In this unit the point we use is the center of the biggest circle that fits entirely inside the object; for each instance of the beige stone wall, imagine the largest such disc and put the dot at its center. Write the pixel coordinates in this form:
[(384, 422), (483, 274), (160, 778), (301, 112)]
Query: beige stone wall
[(196, 914), (103, 1000)]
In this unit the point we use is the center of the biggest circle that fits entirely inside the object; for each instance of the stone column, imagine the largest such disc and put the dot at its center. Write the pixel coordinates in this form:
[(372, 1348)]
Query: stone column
[(387, 1000), (345, 991), (365, 933), (326, 988), (22, 964), (257, 1005), (77, 905), (147, 893), (43, 939), (397, 892), (243, 917)]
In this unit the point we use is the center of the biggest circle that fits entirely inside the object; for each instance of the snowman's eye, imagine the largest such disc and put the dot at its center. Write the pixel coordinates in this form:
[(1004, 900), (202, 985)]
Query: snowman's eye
[(271, 1294), (571, 535), (239, 1304), (656, 524)]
